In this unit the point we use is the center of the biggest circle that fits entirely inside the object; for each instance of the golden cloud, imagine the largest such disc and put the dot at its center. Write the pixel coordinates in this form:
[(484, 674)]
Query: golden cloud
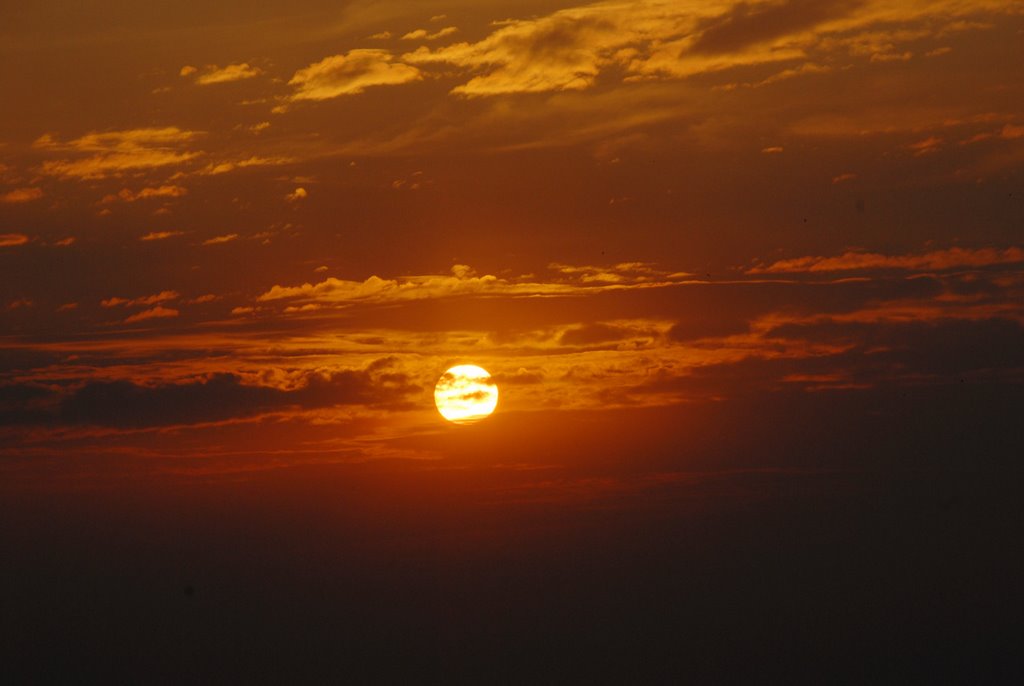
[(8, 240), (423, 34), (232, 72), (855, 261), (19, 195), (158, 312), (162, 296), (159, 235), (115, 152), (349, 74), (215, 168), (127, 195), (464, 281), (217, 240), (653, 39)]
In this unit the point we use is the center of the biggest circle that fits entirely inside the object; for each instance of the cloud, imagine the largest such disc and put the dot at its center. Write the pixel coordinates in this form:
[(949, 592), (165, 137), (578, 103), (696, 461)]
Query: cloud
[(99, 155), (296, 195), (8, 240), (423, 34), (223, 396), (464, 281), (623, 272), (21, 303), (657, 39), (706, 322), (349, 74), (215, 168), (750, 23), (590, 334), (1012, 132), (127, 195), (20, 195), (926, 146), (935, 260), (843, 178), (889, 349), (161, 297), (520, 377), (159, 235), (158, 312), (563, 51), (570, 48), (187, 70), (217, 240), (232, 72), (768, 334)]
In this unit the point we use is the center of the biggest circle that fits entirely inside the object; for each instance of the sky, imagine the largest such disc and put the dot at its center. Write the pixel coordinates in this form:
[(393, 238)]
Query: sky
[(748, 275)]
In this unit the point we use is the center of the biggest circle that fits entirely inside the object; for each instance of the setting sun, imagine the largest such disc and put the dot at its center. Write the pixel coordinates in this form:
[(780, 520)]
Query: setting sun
[(465, 394)]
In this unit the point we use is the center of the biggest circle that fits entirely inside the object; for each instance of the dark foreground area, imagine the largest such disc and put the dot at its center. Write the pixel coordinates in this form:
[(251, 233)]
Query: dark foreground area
[(399, 572)]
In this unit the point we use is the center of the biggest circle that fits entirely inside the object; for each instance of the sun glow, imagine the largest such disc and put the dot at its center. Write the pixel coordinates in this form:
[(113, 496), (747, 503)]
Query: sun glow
[(465, 394)]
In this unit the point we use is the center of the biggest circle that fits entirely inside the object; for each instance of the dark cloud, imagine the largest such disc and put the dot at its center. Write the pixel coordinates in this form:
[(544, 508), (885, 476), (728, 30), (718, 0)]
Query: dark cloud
[(708, 324), (22, 404), (594, 333), (123, 404), (877, 354), (748, 24), (522, 377), (936, 348)]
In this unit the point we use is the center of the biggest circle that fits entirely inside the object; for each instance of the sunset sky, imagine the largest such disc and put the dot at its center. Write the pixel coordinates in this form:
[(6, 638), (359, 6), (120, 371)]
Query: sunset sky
[(748, 275)]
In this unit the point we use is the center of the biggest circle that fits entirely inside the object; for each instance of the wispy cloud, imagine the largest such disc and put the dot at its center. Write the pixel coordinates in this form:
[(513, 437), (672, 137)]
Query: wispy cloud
[(657, 39), (162, 296), (99, 155), (424, 34), (232, 72), (128, 195), (158, 312), (349, 74), (215, 168), (8, 240), (297, 195), (217, 240), (20, 195), (159, 235), (950, 258), (463, 280)]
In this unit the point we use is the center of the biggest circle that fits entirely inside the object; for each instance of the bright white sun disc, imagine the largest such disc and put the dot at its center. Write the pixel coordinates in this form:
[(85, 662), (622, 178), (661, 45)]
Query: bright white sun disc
[(465, 394)]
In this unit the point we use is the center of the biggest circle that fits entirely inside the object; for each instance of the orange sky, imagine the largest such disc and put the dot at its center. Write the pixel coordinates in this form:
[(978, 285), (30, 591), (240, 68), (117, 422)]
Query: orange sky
[(316, 208), (730, 263)]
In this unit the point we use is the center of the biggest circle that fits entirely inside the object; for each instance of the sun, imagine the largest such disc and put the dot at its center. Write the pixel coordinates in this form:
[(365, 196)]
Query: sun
[(465, 394)]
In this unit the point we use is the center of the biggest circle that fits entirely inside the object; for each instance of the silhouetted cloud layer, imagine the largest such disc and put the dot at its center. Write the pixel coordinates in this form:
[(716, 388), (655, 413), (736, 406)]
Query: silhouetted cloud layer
[(217, 397)]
